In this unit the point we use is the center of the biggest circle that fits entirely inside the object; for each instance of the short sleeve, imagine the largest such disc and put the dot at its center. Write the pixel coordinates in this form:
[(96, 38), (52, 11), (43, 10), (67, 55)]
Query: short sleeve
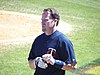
[(67, 52), (32, 54)]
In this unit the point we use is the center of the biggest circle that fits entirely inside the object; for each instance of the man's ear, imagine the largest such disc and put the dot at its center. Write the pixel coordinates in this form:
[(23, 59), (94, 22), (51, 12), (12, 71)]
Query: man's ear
[(55, 20)]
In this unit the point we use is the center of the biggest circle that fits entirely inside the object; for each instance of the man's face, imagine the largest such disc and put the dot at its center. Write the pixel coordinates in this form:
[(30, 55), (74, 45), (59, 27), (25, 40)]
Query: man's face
[(47, 21)]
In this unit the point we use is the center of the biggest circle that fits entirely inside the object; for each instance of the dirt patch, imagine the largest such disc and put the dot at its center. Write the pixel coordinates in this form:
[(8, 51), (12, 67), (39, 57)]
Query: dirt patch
[(88, 68), (16, 26)]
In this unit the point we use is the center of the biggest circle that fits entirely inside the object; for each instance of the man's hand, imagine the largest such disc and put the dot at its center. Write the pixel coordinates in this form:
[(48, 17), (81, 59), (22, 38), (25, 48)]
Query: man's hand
[(40, 63), (48, 58)]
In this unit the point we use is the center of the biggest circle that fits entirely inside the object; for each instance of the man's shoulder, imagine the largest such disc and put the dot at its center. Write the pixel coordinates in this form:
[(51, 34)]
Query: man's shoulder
[(62, 37), (40, 36)]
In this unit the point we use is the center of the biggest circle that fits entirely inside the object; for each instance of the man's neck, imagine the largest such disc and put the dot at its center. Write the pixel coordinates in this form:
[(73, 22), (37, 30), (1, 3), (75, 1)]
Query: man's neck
[(50, 32)]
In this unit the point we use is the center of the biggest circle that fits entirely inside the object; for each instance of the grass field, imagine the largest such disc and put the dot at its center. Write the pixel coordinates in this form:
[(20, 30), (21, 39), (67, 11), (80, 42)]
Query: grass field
[(83, 15)]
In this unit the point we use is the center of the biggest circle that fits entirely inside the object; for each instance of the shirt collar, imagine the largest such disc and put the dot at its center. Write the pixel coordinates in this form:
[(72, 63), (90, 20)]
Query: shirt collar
[(53, 35)]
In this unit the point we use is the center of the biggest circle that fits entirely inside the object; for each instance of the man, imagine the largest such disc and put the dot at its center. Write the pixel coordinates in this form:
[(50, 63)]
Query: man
[(52, 52)]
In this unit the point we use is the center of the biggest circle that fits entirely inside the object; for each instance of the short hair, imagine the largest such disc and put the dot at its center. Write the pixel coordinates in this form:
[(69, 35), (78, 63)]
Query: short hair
[(54, 14)]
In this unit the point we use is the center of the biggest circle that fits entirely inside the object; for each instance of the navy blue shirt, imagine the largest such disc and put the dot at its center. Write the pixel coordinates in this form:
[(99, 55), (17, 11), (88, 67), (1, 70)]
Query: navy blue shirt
[(59, 42)]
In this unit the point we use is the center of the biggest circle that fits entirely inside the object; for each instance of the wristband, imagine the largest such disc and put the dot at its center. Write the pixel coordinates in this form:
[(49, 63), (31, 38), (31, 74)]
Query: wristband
[(59, 64)]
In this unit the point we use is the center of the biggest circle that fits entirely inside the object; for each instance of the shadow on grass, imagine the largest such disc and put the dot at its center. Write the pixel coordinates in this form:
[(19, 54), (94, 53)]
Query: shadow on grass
[(81, 70)]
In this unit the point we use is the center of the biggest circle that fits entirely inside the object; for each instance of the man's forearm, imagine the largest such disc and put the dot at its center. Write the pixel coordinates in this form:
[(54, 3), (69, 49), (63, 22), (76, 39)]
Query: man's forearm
[(32, 64), (58, 63), (69, 66)]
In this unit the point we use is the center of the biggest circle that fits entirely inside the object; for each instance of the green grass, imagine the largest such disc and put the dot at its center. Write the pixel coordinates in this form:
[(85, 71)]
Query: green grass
[(13, 60), (83, 15)]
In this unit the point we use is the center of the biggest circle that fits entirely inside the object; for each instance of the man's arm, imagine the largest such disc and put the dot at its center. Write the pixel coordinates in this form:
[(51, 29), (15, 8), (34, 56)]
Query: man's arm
[(59, 64), (32, 63), (69, 66)]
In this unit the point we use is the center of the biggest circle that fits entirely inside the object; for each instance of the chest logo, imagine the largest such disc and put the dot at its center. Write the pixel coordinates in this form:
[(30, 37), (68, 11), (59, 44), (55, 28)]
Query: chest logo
[(51, 51)]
